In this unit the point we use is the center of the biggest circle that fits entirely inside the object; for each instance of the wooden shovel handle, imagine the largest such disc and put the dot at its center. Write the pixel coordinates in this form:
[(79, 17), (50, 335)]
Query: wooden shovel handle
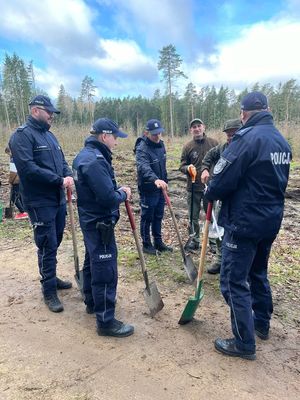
[(204, 243), (138, 245), (130, 215), (72, 222), (168, 202)]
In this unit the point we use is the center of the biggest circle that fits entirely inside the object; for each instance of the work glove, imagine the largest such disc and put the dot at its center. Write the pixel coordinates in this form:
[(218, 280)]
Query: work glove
[(192, 172)]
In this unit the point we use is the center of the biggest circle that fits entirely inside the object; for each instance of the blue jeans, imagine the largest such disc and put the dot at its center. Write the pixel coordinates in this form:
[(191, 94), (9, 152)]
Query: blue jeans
[(245, 286), (152, 213), (48, 227)]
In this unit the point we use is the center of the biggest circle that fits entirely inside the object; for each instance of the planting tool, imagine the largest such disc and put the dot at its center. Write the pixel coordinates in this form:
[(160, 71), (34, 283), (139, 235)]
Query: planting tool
[(193, 174), (188, 263), (78, 273), (150, 293), (193, 302)]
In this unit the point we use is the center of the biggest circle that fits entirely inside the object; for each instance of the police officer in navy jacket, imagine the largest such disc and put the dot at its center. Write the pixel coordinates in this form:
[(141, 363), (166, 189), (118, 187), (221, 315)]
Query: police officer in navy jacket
[(44, 175), (152, 179), (250, 179), (98, 202)]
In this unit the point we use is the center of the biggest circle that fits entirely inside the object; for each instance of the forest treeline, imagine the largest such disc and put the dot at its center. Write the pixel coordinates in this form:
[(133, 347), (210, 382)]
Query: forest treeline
[(214, 106)]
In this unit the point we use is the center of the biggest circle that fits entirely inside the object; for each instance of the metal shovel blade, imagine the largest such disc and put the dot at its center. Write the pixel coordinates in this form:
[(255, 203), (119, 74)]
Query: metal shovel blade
[(191, 306), (190, 268), (79, 281), (153, 299)]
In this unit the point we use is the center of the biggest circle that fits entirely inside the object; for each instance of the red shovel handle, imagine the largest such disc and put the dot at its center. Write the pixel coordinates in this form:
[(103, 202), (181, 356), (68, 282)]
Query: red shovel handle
[(209, 211), (130, 215), (167, 198), (69, 195)]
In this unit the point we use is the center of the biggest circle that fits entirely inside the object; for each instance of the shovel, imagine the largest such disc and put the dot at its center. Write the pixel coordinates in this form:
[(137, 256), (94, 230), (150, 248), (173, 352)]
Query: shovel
[(78, 274), (187, 259), (193, 302), (151, 293), (193, 174)]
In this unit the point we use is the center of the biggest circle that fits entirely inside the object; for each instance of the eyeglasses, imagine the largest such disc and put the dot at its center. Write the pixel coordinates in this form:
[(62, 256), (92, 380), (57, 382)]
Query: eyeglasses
[(44, 109)]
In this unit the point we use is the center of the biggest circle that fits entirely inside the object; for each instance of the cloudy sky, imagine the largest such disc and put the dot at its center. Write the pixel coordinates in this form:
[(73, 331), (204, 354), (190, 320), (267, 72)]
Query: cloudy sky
[(116, 42)]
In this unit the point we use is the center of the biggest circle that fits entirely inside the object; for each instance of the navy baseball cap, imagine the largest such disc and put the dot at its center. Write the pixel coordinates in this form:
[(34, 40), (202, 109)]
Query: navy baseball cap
[(105, 125), (196, 121), (154, 127), (254, 101), (45, 102)]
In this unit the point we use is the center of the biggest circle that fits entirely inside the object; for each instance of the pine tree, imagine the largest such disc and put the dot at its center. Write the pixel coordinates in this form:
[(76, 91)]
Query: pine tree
[(86, 97), (170, 63)]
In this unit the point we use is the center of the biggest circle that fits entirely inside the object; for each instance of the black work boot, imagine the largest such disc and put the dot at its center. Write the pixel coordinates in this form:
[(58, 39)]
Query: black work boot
[(60, 284), (53, 302), (214, 268), (163, 247), (191, 245), (228, 347), (263, 334), (149, 249), (89, 309), (116, 328)]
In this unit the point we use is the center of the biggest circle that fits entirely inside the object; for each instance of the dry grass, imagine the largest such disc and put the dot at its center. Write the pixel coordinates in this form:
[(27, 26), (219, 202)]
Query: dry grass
[(72, 138)]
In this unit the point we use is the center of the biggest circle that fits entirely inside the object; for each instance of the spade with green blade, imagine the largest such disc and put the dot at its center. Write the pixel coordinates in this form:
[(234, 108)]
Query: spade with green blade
[(193, 302)]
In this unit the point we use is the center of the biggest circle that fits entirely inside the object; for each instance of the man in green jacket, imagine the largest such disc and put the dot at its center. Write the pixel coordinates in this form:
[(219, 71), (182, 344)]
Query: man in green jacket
[(192, 155), (208, 163)]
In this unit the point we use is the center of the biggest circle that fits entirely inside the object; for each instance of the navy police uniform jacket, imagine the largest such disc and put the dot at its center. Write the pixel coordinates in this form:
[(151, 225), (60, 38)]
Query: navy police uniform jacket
[(97, 190), (251, 178), (151, 164), (40, 163)]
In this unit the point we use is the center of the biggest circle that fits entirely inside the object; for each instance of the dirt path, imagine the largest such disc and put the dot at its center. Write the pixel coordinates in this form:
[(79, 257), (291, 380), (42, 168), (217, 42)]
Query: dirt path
[(60, 357), (46, 356)]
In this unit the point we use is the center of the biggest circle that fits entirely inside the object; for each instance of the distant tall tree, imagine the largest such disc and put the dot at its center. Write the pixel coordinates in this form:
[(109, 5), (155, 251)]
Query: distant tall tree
[(86, 96), (65, 106), (3, 104), (16, 87), (31, 78), (191, 97), (170, 63)]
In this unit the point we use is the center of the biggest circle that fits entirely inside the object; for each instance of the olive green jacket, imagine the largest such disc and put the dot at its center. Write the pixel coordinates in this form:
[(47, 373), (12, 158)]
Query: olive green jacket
[(193, 152)]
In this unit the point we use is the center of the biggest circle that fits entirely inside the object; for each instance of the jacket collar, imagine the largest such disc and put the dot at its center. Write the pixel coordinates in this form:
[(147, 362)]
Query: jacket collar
[(262, 117), (91, 141), (39, 125)]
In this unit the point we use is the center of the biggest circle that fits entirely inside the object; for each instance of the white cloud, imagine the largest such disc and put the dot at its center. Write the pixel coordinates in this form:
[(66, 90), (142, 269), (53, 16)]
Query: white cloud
[(50, 80), (263, 53), (158, 23), (60, 26), (123, 57)]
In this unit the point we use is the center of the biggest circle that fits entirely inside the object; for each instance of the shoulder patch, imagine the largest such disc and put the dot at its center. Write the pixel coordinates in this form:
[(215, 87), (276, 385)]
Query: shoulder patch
[(221, 164), (21, 128), (242, 132)]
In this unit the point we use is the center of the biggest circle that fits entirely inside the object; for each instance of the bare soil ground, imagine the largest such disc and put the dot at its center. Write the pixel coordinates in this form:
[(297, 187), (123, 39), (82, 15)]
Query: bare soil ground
[(47, 356)]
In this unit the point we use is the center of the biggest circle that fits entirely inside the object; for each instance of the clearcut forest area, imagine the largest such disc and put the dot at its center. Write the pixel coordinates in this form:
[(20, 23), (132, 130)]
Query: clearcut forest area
[(47, 356)]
